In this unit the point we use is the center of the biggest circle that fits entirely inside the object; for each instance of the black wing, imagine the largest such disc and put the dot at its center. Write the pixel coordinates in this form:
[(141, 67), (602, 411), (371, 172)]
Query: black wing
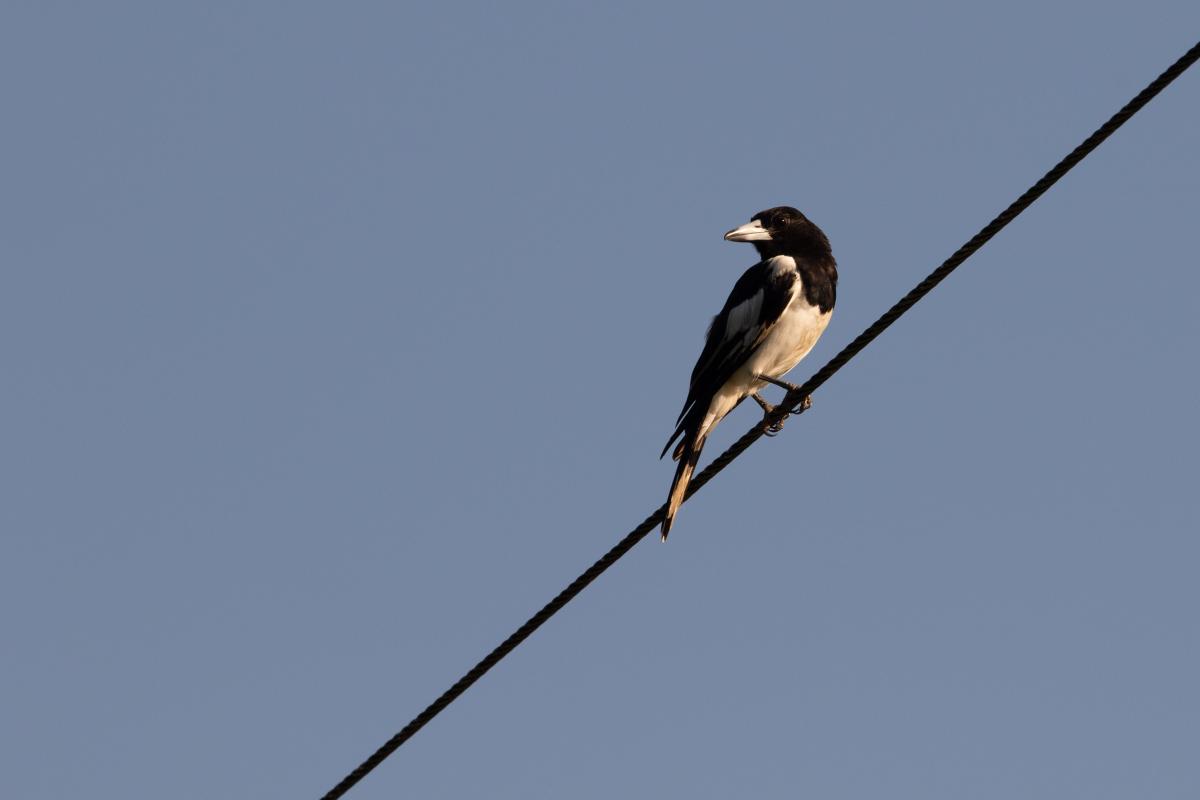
[(757, 301)]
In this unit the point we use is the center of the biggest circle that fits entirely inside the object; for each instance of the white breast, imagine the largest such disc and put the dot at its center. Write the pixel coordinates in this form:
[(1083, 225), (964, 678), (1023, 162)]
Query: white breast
[(790, 339)]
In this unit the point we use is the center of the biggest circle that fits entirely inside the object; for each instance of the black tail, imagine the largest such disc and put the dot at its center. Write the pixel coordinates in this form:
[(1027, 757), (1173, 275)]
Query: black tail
[(688, 454)]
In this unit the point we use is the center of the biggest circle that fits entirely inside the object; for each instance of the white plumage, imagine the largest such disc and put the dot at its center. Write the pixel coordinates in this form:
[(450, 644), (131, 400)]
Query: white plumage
[(787, 341), (776, 312)]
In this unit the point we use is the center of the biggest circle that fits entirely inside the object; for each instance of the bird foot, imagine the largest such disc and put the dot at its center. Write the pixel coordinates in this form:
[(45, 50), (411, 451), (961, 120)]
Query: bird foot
[(799, 408), (775, 427)]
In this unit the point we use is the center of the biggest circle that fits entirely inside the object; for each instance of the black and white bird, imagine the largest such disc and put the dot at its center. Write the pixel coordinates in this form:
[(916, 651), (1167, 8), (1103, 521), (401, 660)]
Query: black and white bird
[(773, 317)]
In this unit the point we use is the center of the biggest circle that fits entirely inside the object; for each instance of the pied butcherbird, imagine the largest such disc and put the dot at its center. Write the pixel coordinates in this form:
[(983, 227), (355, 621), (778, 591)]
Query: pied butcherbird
[(773, 317)]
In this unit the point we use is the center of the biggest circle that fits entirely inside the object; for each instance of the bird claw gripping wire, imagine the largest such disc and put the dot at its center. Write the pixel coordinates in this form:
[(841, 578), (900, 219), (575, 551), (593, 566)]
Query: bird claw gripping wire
[(802, 406), (774, 428)]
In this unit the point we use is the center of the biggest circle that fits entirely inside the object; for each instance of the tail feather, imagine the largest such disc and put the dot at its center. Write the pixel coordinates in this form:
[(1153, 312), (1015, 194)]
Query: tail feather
[(679, 431), (688, 454)]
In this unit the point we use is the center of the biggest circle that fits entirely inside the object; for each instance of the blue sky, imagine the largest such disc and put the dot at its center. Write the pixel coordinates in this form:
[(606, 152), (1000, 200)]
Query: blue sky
[(337, 338)]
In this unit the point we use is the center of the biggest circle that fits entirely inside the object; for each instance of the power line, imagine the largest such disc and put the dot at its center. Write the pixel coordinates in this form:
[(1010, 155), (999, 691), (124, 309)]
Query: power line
[(793, 404)]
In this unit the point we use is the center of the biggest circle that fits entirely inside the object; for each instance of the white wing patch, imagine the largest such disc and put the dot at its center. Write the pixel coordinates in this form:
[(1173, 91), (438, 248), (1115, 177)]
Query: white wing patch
[(744, 316)]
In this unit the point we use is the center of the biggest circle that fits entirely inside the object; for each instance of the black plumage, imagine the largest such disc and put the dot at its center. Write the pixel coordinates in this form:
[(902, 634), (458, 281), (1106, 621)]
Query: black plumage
[(774, 315)]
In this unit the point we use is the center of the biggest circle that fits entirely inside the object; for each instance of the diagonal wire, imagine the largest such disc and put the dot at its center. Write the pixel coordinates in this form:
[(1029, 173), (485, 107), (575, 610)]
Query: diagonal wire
[(791, 404)]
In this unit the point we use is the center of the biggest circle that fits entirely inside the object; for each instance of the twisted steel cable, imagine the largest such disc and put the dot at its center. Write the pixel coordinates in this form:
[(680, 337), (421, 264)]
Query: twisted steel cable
[(792, 405)]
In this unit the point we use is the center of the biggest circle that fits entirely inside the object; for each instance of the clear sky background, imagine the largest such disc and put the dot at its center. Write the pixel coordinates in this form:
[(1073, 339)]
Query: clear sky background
[(338, 337)]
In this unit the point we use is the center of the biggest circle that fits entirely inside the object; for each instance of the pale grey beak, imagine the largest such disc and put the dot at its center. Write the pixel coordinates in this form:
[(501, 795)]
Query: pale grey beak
[(750, 232)]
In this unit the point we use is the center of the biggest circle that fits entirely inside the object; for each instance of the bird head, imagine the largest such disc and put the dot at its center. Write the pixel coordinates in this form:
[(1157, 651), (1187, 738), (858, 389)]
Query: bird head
[(780, 231)]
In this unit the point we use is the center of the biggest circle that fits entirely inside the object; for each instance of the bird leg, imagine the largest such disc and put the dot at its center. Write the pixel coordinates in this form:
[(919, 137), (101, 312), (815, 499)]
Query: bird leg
[(801, 407), (791, 387), (767, 408)]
